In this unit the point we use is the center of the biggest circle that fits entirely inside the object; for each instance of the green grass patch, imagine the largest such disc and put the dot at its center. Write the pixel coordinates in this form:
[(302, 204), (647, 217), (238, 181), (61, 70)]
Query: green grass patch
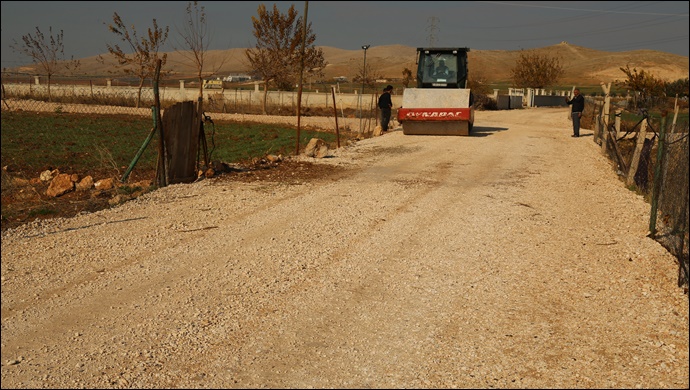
[(78, 143), (129, 190), (235, 142), (655, 116), (73, 142)]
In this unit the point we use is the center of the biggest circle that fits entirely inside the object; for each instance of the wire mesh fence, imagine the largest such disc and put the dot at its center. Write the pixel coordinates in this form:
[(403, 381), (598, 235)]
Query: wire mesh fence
[(673, 200), (128, 94), (651, 155)]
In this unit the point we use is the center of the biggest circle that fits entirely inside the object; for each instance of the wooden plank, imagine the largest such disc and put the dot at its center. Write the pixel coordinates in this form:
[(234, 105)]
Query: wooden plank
[(182, 141), (619, 156), (641, 135)]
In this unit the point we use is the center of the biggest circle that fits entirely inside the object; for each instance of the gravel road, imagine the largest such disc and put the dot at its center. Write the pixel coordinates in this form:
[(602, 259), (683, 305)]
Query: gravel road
[(513, 258)]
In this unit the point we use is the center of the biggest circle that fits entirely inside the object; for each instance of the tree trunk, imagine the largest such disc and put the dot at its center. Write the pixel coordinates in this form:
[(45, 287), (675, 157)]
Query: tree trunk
[(50, 99), (141, 85), (201, 85), (265, 99)]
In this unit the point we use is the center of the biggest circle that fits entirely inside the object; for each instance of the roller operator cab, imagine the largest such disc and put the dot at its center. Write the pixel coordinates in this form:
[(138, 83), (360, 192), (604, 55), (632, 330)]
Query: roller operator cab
[(441, 104)]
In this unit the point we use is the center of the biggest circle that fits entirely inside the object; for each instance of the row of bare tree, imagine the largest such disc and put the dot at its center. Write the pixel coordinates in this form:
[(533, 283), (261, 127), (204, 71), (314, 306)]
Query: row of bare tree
[(276, 58)]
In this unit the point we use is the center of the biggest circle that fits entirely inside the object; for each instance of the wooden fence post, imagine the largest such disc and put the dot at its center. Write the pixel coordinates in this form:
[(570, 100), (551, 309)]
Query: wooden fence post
[(335, 112), (597, 121), (570, 115), (607, 107), (675, 114), (657, 176), (641, 135)]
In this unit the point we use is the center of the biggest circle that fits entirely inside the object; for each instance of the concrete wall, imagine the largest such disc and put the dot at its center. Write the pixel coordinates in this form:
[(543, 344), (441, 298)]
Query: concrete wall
[(252, 95), (506, 102), (530, 97), (229, 96), (549, 101)]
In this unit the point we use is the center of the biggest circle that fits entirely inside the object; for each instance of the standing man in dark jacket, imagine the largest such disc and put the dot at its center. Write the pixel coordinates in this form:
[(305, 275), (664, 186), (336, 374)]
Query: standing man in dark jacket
[(386, 104), (578, 105)]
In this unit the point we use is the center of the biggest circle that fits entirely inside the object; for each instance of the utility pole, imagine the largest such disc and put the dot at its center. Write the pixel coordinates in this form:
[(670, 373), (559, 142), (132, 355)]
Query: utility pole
[(364, 78), (433, 29), (301, 74)]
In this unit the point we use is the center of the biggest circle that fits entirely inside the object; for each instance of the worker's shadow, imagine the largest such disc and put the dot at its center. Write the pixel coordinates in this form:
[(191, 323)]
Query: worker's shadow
[(484, 131)]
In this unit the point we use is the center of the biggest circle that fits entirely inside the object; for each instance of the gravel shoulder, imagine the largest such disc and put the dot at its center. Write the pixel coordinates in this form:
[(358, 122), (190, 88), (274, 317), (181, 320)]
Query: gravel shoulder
[(513, 258)]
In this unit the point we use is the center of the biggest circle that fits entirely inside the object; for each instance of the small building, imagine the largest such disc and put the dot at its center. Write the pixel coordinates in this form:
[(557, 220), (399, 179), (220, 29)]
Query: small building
[(237, 78)]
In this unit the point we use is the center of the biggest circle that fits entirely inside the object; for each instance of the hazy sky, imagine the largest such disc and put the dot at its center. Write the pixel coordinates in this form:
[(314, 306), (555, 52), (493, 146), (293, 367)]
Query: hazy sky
[(480, 25)]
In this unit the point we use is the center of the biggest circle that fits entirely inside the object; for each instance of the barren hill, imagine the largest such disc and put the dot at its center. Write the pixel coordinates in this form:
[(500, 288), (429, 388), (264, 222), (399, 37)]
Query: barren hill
[(582, 66)]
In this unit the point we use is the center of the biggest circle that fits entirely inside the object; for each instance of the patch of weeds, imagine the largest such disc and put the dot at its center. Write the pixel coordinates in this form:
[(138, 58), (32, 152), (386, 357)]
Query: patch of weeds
[(42, 211), (7, 182), (129, 190), (106, 158), (9, 214)]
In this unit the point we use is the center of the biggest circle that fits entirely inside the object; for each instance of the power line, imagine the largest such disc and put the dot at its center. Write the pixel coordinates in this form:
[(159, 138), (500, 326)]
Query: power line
[(638, 43), (611, 29), (559, 21), (582, 9)]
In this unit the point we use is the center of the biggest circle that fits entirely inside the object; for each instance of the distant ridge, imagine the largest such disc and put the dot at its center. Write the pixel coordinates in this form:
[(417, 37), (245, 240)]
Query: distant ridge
[(581, 65)]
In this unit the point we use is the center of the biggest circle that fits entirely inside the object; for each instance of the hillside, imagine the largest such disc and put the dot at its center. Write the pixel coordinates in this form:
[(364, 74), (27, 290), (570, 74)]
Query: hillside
[(581, 65)]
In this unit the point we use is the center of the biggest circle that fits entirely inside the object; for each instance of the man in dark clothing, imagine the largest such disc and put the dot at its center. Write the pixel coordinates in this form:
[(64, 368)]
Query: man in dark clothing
[(442, 70), (385, 104), (578, 105)]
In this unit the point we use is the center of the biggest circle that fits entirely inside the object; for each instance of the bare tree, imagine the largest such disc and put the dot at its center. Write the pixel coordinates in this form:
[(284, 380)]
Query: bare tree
[(370, 76), (407, 77), (644, 85), (276, 57), (196, 41), (678, 87), (142, 61), (478, 83), (47, 52), (533, 70)]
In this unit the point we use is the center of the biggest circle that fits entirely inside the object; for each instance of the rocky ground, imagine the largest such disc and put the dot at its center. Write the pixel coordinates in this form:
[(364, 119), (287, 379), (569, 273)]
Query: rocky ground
[(23, 196), (512, 258)]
